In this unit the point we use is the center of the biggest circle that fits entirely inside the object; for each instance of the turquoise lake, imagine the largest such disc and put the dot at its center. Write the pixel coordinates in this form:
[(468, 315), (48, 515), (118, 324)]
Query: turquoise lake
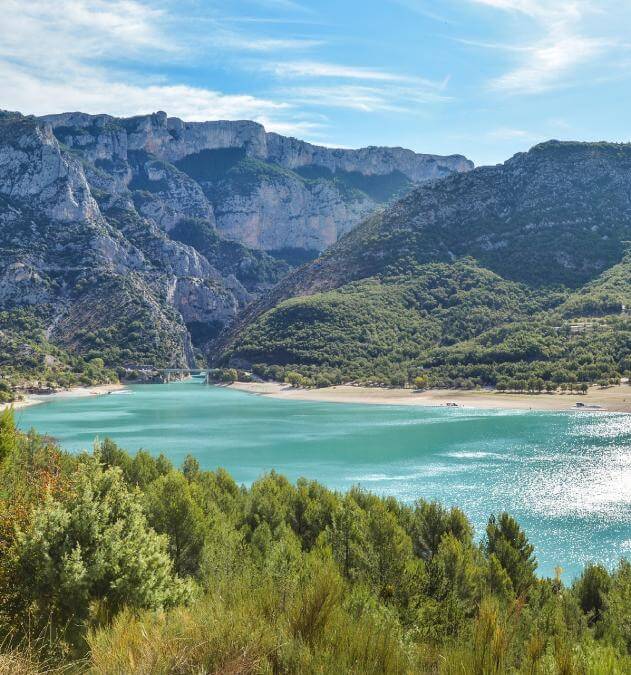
[(565, 476)]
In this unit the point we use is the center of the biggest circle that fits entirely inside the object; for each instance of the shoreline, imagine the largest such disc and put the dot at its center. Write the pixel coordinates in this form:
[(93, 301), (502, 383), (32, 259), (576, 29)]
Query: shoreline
[(74, 392), (613, 399)]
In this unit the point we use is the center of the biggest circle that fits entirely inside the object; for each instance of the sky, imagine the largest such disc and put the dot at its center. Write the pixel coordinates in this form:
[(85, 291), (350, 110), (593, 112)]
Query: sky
[(483, 78)]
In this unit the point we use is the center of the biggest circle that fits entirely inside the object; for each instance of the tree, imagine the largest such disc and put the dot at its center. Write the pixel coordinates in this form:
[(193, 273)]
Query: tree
[(295, 379), (420, 382), (8, 434), (109, 454), (592, 588), (614, 623), (190, 468), (229, 375), (271, 501), (144, 469), (172, 511), (348, 537), (390, 551), (459, 569), (93, 543), (432, 521), (506, 541)]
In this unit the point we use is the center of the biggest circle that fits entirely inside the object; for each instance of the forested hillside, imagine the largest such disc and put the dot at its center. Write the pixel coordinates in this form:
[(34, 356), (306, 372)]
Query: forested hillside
[(111, 563), (508, 274)]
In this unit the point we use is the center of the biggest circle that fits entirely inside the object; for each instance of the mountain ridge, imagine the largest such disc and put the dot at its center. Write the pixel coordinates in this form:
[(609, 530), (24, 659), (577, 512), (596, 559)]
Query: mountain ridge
[(553, 221), (265, 192)]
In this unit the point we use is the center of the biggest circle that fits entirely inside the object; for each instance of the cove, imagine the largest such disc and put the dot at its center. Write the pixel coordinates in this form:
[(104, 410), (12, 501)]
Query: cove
[(565, 476)]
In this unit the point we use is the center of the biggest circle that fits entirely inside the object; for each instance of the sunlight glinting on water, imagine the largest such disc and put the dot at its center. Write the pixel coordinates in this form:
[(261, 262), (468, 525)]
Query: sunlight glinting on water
[(565, 476)]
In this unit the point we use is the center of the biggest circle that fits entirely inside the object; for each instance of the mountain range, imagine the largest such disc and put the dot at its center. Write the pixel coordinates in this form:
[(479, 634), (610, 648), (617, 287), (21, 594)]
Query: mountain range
[(149, 240), (138, 240)]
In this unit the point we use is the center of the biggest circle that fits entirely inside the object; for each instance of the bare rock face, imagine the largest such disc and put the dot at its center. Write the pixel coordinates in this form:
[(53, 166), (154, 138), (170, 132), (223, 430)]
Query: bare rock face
[(33, 170), (281, 212), (201, 300), (262, 189), (75, 247), (167, 196), (372, 161)]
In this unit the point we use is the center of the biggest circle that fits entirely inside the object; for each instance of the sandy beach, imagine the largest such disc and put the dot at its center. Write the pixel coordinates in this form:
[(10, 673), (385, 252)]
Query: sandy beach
[(75, 392), (612, 399)]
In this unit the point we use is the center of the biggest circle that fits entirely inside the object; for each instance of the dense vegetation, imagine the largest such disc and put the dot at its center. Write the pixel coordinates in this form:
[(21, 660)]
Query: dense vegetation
[(514, 275), (456, 325), (111, 563), (557, 214), (27, 357)]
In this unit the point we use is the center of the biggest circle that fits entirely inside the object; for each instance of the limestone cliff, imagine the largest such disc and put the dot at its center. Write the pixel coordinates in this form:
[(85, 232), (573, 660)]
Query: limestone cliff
[(97, 271), (262, 189)]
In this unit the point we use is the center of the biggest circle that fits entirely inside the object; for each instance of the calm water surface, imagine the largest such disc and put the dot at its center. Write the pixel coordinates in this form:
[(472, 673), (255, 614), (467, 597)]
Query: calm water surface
[(565, 476)]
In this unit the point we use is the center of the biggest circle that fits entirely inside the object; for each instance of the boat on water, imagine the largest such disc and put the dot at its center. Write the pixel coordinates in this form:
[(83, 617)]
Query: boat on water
[(120, 392)]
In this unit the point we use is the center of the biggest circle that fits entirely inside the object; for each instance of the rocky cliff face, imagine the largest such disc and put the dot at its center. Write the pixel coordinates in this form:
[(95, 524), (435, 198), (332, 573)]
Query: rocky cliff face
[(262, 189), (129, 237), (103, 273)]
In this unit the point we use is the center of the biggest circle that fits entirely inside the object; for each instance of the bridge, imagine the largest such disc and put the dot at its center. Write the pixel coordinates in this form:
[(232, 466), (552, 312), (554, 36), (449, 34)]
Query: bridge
[(179, 373), (169, 373)]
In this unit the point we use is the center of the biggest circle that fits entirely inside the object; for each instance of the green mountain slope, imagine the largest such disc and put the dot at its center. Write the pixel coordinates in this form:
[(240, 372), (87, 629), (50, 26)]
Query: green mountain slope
[(514, 272)]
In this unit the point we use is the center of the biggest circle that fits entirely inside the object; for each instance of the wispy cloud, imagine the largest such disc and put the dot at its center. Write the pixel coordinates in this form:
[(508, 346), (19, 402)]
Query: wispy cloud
[(424, 9), (316, 69), (547, 65), (249, 43), (51, 33), (290, 5), (51, 60), (508, 134), (124, 57), (563, 43), (365, 98), (363, 89)]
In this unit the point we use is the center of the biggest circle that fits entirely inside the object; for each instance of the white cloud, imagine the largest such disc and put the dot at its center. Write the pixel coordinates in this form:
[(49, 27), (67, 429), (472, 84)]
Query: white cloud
[(323, 70), (49, 62), (88, 55), (290, 5), (559, 10), (356, 88), (420, 7), (51, 34), (547, 64), (259, 44), (508, 134), (95, 93), (562, 45)]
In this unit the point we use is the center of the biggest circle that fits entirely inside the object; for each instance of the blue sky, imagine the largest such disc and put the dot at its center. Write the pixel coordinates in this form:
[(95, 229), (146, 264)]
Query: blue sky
[(485, 78)]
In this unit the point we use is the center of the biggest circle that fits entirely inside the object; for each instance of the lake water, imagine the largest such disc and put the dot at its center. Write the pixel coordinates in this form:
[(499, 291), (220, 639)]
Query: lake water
[(565, 476)]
